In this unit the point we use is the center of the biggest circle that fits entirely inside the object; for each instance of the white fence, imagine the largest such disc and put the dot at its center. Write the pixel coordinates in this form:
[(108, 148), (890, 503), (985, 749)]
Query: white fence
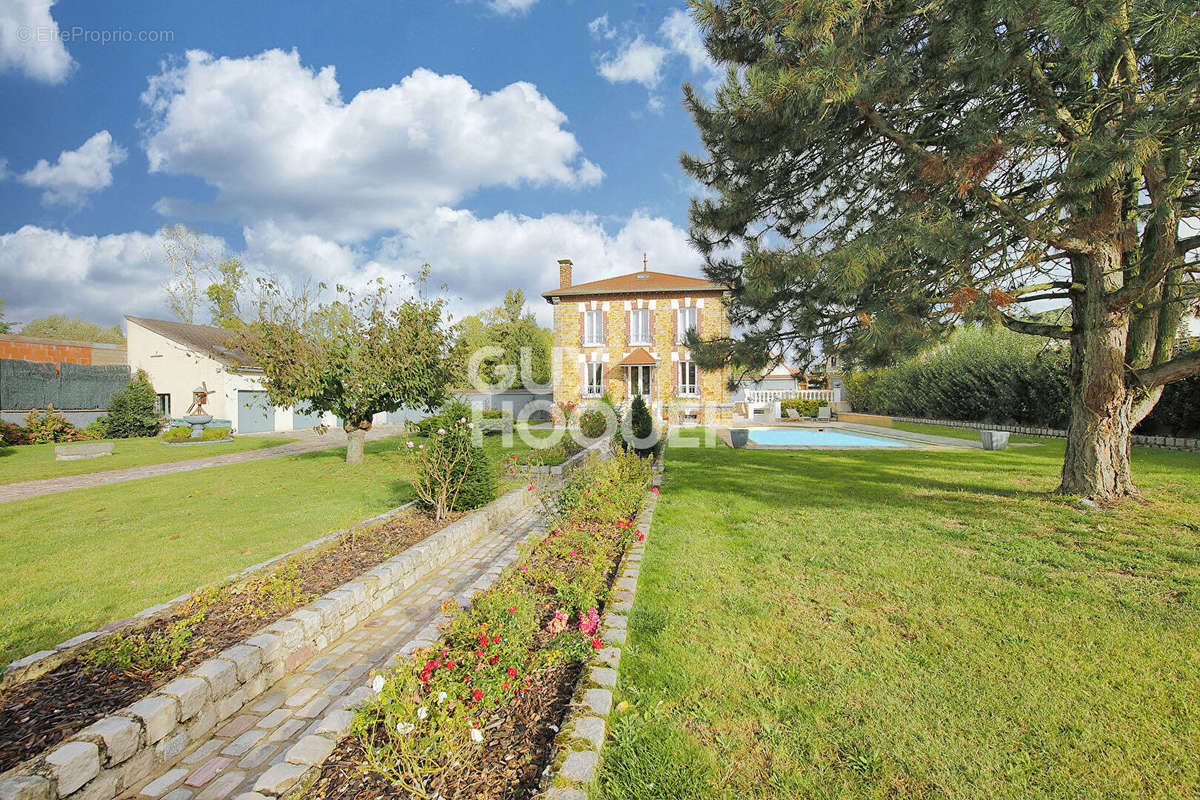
[(775, 395)]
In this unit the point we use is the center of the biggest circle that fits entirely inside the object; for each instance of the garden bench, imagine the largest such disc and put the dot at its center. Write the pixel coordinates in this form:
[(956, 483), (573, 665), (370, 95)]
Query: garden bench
[(75, 452)]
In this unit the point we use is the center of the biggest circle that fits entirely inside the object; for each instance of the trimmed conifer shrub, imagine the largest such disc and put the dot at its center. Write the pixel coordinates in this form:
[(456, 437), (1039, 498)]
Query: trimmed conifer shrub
[(131, 410), (479, 486)]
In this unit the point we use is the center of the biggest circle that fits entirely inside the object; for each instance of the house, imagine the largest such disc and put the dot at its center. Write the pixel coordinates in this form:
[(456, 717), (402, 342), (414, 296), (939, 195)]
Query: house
[(178, 358), (624, 336)]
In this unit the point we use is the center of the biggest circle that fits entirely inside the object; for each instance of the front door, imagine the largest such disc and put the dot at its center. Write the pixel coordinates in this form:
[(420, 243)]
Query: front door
[(641, 382)]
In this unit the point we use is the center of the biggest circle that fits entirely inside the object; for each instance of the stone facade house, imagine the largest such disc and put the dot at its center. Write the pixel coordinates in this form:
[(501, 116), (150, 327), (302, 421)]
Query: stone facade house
[(624, 336)]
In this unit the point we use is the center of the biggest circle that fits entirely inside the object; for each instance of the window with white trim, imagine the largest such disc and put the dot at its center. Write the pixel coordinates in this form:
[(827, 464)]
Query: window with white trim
[(162, 405), (687, 322), (594, 386), (640, 381), (687, 378), (593, 328), (639, 326)]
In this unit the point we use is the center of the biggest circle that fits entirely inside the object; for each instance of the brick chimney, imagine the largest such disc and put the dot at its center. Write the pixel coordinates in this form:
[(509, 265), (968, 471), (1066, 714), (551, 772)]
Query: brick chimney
[(564, 273)]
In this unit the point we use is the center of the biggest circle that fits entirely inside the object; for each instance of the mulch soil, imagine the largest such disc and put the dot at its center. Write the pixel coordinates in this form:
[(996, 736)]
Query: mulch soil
[(40, 713), (513, 754)]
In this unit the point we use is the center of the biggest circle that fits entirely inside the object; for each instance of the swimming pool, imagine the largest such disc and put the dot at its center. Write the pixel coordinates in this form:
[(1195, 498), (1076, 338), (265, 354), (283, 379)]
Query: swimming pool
[(820, 437)]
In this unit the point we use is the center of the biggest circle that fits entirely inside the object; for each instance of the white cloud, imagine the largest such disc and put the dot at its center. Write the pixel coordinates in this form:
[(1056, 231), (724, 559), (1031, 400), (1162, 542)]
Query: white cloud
[(279, 143), (30, 42), (637, 61), (77, 173), (101, 278), (512, 7)]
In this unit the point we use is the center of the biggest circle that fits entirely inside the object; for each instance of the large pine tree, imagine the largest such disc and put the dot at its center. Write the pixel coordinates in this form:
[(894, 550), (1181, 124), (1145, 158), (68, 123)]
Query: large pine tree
[(889, 168)]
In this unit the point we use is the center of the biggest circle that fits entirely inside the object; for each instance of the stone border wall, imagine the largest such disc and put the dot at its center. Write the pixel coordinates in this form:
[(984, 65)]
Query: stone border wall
[(126, 748), (37, 664), (575, 759), (568, 465), (1166, 442)]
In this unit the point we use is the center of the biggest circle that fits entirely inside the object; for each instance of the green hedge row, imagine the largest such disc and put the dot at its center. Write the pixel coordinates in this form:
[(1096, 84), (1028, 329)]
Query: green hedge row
[(1002, 377)]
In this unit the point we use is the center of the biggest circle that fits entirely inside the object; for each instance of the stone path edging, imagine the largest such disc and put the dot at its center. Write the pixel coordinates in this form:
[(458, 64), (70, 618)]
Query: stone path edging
[(148, 738), (1167, 442), (575, 759), (37, 664)]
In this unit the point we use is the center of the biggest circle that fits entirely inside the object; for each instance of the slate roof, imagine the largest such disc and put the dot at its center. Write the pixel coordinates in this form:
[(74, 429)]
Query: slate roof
[(214, 342)]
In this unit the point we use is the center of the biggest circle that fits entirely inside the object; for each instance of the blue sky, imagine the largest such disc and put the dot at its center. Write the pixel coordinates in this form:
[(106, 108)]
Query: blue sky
[(339, 142)]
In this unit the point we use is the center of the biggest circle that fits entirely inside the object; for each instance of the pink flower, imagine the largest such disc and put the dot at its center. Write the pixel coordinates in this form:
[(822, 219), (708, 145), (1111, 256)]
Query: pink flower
[(558, 624), (441, 431), (654, 489), (512, 610), (531, 487), (588, 622)]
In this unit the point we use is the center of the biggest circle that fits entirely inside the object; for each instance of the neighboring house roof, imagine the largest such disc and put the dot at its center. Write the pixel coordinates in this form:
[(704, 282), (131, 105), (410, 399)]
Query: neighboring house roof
[(639, 357), (637, 283), (214, 342)]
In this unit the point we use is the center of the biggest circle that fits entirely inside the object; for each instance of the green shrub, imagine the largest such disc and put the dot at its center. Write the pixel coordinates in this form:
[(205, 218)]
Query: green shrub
[(131, 410), (214, 434), (12, 433), (479, 486), (44, 427), (641, 425), (180, 433), (976, 376), (805, 408), (446, 418)]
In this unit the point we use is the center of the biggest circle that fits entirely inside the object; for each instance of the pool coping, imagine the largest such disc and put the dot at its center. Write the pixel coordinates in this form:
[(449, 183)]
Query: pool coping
[(913, 441)]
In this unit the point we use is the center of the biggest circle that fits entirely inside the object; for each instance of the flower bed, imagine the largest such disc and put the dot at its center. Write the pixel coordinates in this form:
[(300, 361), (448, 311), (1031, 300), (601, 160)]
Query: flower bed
[(476, 714), (115, 671)]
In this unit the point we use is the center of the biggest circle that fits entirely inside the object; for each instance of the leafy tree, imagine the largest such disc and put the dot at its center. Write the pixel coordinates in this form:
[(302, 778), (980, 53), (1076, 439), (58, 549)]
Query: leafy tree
[(131, 411), (890, 170), (355, 356), (5, 327), (188, 256), (59, 326), (223, 295), (512, 329)]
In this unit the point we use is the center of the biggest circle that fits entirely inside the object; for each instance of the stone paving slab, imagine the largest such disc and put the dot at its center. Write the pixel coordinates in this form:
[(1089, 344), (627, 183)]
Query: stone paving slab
[(308, 443), (265, 747)]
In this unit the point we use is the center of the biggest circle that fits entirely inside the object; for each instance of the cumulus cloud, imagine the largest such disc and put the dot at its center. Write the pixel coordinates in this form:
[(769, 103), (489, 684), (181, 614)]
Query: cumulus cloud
[(640, 60), (30, 41), (511, 7), (278, 142), (77, 173), (636, 61), (478, 258)]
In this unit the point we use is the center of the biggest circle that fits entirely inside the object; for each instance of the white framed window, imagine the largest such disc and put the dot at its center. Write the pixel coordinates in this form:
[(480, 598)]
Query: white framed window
[(640, 381), (593, 328), (687, 378), (687, 322), (639, 326), (594, 385)]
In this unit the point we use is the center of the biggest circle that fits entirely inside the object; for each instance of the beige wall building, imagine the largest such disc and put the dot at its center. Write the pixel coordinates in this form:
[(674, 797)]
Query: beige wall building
[(624, 336)]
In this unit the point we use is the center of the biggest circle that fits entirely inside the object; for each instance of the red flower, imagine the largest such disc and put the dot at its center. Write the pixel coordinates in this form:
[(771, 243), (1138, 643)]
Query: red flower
[(512, 610), (512, 672), (495, 638), (477, 695), (596, 643)]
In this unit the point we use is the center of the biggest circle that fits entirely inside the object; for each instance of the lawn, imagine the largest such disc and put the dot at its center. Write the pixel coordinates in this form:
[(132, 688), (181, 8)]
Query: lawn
[(911, 624), (36, 461), (71, 561)]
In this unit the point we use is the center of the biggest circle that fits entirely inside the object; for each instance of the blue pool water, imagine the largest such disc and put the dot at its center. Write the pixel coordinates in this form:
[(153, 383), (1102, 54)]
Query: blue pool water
[(815, 437)]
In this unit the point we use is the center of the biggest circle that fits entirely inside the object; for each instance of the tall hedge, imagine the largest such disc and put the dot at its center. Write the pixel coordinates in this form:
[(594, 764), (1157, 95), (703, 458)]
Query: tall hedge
[(1002, 377), (131, 410)]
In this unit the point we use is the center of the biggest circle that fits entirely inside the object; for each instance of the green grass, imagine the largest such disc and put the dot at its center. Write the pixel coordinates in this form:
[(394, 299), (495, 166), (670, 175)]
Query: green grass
[(958, 433), (914, 624), (71, 561), (36, 461)]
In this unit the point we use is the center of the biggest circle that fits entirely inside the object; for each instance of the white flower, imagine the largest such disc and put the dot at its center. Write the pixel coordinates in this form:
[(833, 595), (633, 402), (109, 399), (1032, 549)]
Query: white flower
[(422, 712), (405, 728), (441, 431), (462, 419), (441, 698), (377, 684), (471, 425), (410, 445), (476, 735)]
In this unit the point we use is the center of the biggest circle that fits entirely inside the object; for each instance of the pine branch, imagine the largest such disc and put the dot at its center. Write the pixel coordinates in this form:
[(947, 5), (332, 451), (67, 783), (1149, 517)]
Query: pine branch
[(985, 196), (1035, 328), (1176, 369)]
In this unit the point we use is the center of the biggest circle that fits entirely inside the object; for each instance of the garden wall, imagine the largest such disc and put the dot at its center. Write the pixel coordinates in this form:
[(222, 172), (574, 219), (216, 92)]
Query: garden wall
[(26, 385)]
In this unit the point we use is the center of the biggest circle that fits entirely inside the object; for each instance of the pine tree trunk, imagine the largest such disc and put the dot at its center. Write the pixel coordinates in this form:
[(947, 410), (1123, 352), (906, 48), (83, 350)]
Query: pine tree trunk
[(1096, 463)]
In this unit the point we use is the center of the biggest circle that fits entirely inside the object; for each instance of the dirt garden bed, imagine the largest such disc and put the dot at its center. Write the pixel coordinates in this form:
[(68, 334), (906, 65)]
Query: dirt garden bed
[(41, 712)]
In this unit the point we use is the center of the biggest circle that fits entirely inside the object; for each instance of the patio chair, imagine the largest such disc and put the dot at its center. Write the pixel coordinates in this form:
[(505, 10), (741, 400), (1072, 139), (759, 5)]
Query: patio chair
[(824, 412), (740, 409), (794, 414)]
